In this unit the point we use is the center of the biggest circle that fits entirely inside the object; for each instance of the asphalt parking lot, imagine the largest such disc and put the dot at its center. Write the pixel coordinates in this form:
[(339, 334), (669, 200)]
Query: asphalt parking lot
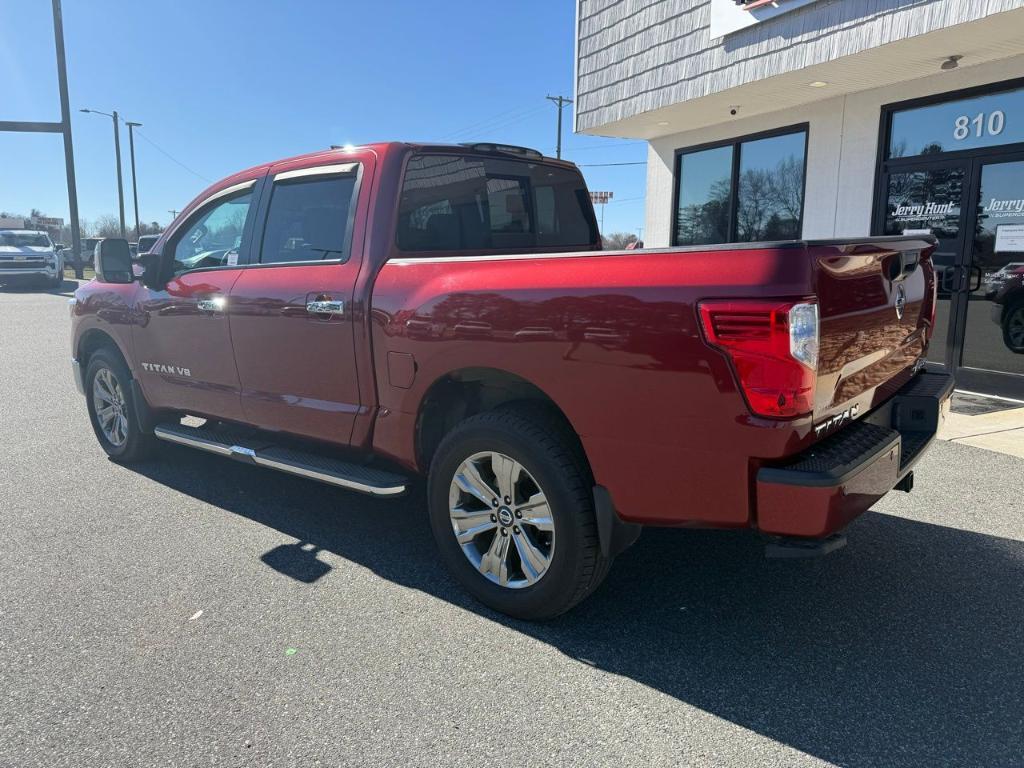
[(192, 611)]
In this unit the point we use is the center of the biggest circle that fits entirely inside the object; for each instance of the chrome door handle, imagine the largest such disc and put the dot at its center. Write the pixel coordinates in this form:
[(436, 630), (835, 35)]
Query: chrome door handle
[(216, 304), (325, 307)]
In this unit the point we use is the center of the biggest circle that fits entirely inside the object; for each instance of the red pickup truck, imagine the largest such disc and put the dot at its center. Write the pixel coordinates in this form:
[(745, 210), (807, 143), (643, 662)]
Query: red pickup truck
[(365, 315)]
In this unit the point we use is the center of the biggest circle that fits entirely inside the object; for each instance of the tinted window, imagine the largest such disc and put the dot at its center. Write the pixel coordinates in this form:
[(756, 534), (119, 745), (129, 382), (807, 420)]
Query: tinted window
[(25, 239), (465, 203), (212, 239), (705, 194), (983, 121), (308, 219), (146, 242), (918, 200), (771, 189), (758, 197)]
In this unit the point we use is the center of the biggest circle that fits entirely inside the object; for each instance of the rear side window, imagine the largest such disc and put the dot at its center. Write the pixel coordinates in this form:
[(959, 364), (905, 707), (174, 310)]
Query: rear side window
[(308, 219), (468, 203)]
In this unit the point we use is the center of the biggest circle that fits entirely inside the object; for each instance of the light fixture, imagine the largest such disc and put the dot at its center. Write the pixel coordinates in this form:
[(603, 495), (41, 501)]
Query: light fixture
[(818, 84), (951, 63)]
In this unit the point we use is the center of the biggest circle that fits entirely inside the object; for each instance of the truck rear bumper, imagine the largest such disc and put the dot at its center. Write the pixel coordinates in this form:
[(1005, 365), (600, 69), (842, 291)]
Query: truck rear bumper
[(823, 489)]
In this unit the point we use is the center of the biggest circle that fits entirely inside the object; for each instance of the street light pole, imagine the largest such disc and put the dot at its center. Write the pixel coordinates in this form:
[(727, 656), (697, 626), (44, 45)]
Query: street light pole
[(135, 189), (117, 162)]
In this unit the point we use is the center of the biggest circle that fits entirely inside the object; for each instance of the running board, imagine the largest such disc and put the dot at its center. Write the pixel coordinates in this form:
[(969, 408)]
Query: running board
[(228, 442)]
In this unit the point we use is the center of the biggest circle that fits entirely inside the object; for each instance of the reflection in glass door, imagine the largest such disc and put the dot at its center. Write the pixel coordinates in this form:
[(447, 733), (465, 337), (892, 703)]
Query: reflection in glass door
[(994, 332), (929, 200)]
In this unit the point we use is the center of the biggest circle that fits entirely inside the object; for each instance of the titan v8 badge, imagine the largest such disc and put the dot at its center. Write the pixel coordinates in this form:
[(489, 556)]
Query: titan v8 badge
[(173, 370)]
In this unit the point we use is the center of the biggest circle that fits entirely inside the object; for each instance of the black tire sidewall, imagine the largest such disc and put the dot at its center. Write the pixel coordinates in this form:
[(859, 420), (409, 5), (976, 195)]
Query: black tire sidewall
[(558, 585), (1017, 306)]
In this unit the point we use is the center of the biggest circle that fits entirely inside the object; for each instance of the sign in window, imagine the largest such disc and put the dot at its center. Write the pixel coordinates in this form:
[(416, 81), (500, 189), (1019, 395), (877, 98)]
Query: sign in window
[(990, 120)]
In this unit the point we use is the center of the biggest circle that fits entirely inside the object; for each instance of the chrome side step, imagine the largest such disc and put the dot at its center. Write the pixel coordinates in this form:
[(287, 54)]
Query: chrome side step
[(228, 442)]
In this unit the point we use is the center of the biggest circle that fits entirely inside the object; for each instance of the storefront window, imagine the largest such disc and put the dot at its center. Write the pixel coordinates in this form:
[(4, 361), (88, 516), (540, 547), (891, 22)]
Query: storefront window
[(984, 121), (705, 195), (744, 191)]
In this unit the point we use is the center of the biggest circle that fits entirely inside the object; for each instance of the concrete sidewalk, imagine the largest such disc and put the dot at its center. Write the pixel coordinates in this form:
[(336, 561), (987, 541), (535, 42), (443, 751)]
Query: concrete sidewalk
[(999, 429)]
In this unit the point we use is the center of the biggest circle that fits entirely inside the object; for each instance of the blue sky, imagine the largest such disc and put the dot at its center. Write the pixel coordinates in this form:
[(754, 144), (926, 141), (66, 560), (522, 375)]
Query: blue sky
[(221, 85)]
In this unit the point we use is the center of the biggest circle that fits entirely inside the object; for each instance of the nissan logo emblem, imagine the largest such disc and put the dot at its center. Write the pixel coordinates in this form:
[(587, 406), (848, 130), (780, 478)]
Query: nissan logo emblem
[(901, 301)]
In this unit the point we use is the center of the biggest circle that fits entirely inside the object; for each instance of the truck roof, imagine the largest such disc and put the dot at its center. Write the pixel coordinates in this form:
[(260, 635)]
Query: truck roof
[(387, 147)]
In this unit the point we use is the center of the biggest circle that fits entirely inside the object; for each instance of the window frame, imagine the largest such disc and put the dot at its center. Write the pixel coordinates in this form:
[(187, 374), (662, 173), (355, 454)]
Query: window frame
[(396, 252), (736, 143), (253, 186), (263, 214)]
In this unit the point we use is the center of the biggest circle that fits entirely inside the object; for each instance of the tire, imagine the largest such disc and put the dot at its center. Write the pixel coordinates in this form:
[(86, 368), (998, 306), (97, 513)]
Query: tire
[(1013, 327), (58, 280), (490, 564), (126, 443)]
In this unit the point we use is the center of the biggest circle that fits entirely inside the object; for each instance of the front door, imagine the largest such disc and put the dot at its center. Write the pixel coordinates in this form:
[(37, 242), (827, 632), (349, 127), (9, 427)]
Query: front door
[(182, 339), (292, 309), (992, 355)]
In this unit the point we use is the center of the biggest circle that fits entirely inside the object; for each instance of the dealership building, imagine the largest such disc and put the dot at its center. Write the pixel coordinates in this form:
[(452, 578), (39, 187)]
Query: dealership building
[(819, 119)]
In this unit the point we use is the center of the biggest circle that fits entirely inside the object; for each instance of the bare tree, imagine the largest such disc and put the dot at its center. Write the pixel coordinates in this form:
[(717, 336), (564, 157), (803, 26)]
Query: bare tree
[(107, 226), (617, 241)]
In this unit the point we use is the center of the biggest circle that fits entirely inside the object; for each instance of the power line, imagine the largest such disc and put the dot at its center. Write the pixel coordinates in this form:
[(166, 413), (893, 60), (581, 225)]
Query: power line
[(174, 159), (605, 165), (501, 120)]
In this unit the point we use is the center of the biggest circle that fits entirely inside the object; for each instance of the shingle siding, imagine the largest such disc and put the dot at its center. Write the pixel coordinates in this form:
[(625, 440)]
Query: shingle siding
[(638, 55)]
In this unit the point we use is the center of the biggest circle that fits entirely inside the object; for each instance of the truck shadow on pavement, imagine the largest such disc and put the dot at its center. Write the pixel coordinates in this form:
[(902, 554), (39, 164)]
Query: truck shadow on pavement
[(903, 649)]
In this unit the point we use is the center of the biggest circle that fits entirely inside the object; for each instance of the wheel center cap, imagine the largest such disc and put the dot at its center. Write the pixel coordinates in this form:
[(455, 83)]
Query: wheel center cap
[(505, 516)]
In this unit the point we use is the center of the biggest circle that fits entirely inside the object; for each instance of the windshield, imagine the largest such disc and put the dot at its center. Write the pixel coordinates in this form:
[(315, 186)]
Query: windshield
[(25, 239), (146, 242)]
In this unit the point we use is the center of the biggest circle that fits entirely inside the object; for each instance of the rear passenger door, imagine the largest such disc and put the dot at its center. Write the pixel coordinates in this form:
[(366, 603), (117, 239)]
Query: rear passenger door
[(291, 308)]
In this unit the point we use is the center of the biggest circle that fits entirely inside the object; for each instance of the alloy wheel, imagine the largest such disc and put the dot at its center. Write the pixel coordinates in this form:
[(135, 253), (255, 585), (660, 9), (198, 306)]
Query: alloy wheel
[(110, 406), (501, 520)]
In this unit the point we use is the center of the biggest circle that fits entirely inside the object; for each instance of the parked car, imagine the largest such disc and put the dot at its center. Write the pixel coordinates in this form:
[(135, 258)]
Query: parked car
[(1008, 308), (146, 242), (995, 280), (368, 315), (28, 254), (87, 255)]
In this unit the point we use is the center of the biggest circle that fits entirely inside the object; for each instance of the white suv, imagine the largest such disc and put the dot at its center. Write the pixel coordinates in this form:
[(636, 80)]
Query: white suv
[(27, 253)]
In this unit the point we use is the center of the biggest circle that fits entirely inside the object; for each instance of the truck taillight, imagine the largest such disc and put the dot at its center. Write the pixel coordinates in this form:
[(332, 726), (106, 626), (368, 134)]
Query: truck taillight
[(773, 346)]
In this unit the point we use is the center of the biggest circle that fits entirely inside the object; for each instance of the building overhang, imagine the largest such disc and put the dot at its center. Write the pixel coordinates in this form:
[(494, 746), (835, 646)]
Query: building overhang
[(995, 37)]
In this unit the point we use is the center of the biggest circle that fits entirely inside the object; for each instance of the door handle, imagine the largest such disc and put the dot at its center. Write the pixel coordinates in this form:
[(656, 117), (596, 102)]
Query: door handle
[(216, 304), (326, 307)]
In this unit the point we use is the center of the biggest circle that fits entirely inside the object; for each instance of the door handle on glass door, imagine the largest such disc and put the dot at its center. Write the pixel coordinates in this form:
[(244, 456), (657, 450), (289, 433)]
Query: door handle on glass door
[(216, 304), (325, 307)]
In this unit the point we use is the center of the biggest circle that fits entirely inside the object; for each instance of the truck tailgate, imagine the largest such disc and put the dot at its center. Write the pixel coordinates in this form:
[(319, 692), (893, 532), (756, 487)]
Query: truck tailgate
[(875, 302)]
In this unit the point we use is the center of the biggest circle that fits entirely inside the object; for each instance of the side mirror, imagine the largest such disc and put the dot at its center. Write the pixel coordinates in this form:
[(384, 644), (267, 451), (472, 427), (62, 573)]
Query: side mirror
[(150, 263), (114, 261)]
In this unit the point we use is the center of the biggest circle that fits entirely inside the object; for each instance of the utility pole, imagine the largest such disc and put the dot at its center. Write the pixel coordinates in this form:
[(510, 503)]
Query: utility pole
[(561, 102), (117, 161), (69, 152), (174, 214), (135, 190)]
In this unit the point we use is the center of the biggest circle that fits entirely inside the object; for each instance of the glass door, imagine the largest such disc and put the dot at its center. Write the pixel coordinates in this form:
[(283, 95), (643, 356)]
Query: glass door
[(929, 198), (992, 356)]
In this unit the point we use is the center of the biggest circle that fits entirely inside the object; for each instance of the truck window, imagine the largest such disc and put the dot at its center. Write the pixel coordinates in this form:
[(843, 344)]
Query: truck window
[(213, 239), (469, 203), (308, 219)]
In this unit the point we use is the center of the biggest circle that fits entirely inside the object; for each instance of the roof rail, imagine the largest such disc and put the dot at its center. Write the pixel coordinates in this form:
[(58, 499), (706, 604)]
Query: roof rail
[(507, 149)]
